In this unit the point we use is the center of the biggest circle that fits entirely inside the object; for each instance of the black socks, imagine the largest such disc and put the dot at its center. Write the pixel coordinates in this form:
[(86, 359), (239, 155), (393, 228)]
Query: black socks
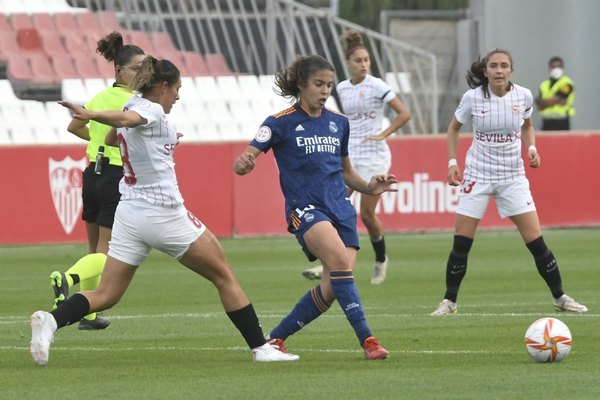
[(456, 268)]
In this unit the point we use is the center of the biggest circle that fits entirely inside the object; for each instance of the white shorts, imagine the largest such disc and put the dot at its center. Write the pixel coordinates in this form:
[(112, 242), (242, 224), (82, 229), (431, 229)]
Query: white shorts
[(512, 198), (368, 167), (141, 226)]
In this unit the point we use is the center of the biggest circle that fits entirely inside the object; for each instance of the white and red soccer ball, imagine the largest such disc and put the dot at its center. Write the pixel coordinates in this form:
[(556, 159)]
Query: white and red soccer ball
[(548, 340)]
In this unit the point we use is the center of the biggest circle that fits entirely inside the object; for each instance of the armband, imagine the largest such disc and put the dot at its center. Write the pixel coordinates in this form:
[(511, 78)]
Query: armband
[(452, 162), (532, 148)]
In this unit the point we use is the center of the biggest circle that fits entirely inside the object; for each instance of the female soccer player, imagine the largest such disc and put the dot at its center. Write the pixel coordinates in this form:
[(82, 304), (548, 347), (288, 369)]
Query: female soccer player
[(150, 215), (363, 98), (310, 144), (500, 112), (100, 182)]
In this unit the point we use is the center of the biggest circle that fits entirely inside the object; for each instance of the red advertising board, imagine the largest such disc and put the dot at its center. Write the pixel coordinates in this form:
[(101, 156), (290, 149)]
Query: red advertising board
[(41, 188)]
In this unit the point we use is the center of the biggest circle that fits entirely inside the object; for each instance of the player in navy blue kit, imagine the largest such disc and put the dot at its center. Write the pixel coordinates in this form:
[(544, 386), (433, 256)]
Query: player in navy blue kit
[(310, 144)]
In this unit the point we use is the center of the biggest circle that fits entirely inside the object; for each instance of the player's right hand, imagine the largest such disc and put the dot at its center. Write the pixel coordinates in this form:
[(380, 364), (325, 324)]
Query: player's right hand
[(454, 176)]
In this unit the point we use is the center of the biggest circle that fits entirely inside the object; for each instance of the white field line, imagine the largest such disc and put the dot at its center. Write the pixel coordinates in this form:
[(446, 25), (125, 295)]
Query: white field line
[(20, 319), (239, 348)]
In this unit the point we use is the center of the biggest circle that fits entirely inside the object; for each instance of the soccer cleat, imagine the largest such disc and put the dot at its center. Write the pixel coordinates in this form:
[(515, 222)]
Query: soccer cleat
[(313, 273), (566, 303), (269, 353), (279, 344), (446, 307), (374, 350), (94, 324), (43, 327), (60, 285), (379, 272)]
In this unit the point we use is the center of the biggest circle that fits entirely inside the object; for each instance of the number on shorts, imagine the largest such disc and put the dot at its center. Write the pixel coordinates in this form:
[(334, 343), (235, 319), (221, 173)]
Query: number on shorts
[(467, 187)]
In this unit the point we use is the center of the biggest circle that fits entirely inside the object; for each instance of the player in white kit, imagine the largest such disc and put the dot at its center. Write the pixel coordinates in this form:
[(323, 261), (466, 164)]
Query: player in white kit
[(362, 99), (150, 215), (500, 112)]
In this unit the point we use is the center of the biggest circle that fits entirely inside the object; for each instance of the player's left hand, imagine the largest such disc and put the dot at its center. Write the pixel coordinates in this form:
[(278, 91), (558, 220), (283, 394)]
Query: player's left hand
[(383, 183), (534, 159)]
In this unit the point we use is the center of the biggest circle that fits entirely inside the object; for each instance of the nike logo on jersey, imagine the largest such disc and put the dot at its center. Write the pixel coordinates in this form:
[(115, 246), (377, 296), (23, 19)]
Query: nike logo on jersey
[(299, 128), (484, 111)]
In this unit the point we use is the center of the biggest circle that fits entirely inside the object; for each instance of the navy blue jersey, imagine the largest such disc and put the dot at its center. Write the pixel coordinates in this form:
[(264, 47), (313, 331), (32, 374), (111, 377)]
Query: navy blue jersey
[(309, 152)]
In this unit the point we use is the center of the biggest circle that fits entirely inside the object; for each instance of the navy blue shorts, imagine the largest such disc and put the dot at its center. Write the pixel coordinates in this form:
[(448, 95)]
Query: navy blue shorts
[(301, 220)]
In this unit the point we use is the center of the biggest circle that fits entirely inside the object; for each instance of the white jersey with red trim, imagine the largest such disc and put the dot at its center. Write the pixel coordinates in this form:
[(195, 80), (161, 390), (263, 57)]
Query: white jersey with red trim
[(363, 104), (495, 153), (147, 154)]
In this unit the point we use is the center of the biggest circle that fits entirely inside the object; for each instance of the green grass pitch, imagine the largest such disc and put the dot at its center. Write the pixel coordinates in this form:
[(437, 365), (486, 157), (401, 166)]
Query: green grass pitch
[(170, 339)]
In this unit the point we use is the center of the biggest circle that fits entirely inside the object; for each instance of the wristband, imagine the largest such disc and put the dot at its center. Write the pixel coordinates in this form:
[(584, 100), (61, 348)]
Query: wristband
[(532, 148), (452, 162)]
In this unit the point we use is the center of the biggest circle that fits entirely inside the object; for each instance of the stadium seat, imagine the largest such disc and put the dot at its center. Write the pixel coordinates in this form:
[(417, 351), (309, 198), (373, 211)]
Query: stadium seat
[(52, 43), (217, 65), (58, 115), (176, 58), (85, 66), (75, 45), (207, 88), (162, 42), (8, 45), (42, 70), (249, 85), (108, 21), (208, 131), (8, 93), (5, 137), (140, 39), (88, 21), (4, 25), (29, 39), (18, 68), (12, 113), (195, 63), (74, 91), (188, 90), (22, 134), (20, 21), (43, 22), (67, 23), (35, 111), (94, 86), (64, 67), (105, 68), (45, 134), (228, 86)]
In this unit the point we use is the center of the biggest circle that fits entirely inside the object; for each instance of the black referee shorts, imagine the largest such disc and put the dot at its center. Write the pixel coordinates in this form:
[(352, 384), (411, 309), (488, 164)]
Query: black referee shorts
[(101, 194)]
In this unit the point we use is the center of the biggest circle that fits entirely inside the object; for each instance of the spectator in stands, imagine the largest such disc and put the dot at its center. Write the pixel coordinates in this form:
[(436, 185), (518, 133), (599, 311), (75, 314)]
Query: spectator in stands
[(150, 215), (101, 178), (556, 98), (310, 144), (500, 112), (362, 99)]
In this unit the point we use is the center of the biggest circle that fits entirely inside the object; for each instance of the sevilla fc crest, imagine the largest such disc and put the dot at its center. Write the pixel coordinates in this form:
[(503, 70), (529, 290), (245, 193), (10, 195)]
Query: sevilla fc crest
[(65, 186)]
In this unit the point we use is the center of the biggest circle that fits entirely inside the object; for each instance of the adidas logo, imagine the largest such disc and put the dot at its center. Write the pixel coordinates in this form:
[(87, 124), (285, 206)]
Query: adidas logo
[(299, 128)]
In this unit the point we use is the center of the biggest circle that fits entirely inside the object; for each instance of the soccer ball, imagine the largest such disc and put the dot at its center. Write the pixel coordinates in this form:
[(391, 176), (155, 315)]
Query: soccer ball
[(548, 340)]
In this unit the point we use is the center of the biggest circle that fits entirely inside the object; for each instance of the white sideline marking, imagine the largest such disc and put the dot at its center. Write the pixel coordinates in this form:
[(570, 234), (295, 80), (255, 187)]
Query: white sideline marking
[(239, 348), (19, 319)]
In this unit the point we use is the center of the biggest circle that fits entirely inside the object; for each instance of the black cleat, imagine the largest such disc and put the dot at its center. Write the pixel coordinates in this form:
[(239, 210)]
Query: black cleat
[(93, 324)]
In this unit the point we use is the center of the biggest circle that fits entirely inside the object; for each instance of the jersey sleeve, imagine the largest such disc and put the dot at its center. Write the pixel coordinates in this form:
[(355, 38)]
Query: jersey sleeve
[(528, 111), (147, 110), (266, 135), (463, 111), (384, 91)]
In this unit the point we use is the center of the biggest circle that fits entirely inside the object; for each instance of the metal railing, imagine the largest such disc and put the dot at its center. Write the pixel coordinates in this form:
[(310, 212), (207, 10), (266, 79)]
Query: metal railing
[(261, 36)]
